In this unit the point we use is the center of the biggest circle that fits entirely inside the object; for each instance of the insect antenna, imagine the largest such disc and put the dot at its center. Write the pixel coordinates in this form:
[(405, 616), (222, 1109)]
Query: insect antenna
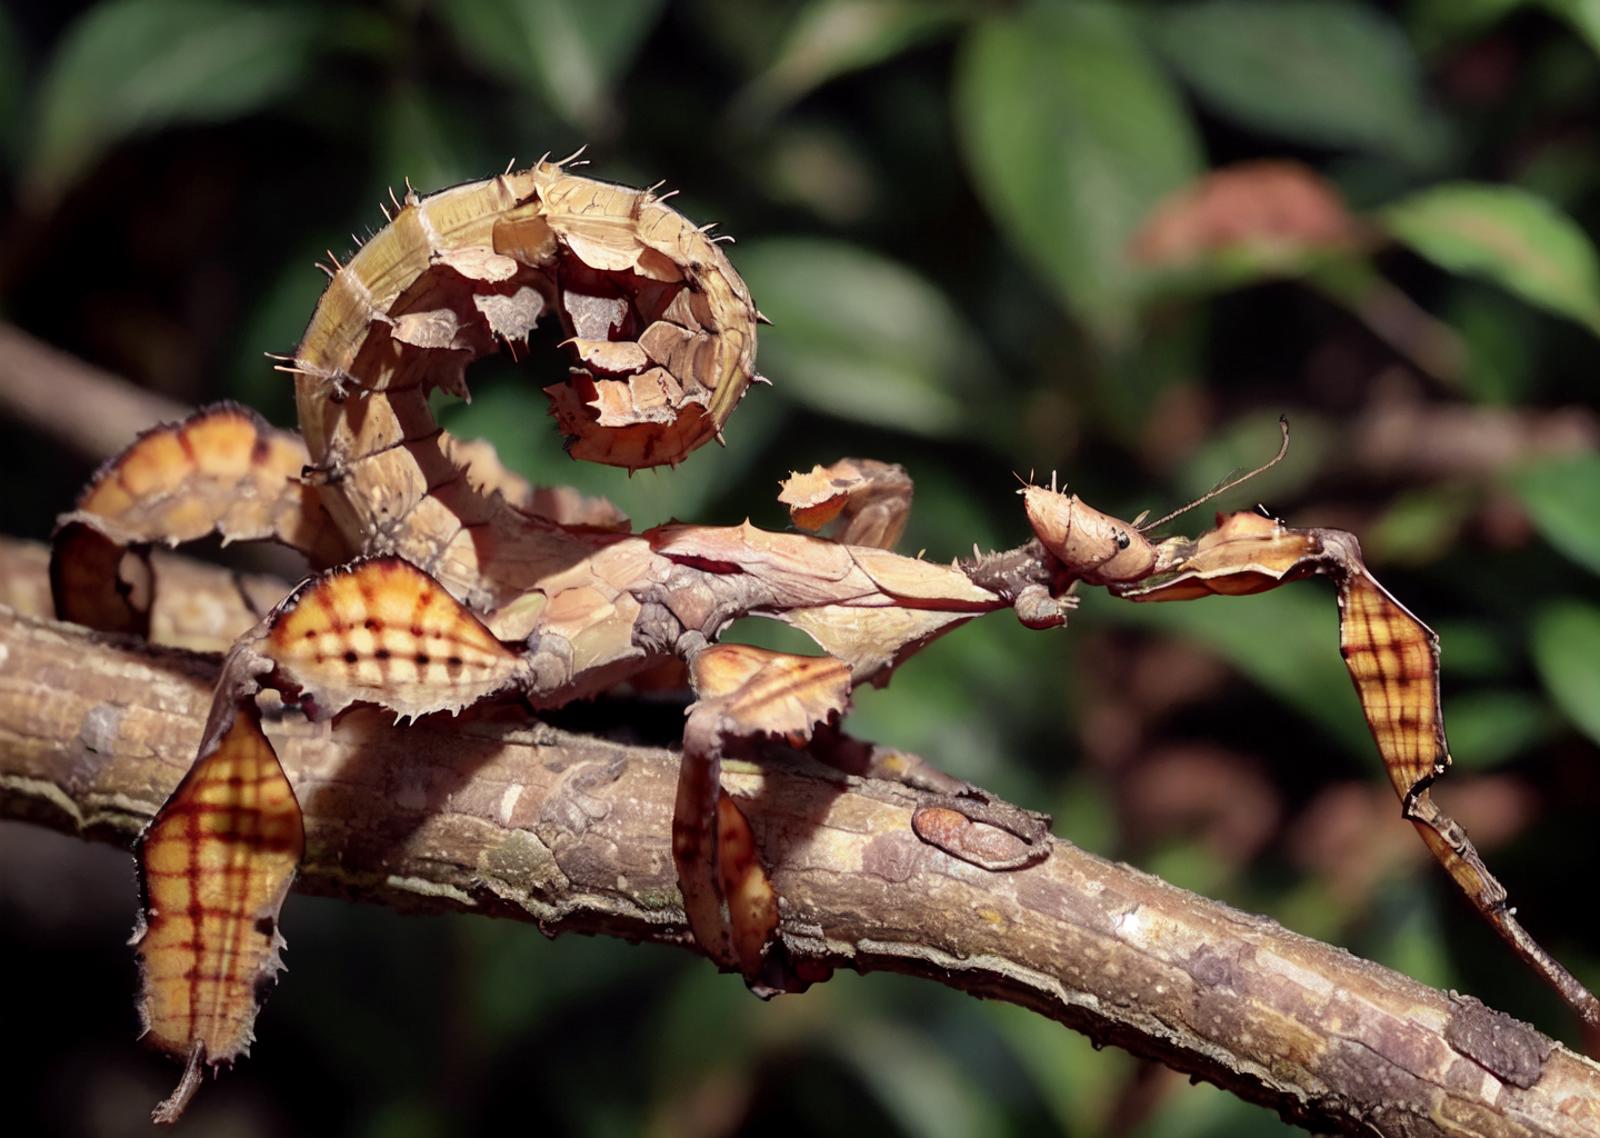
[(1283, 449)]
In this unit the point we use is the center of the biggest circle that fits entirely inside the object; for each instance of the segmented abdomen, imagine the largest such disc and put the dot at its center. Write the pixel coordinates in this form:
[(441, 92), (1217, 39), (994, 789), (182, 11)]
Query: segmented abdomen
[(662, 327)]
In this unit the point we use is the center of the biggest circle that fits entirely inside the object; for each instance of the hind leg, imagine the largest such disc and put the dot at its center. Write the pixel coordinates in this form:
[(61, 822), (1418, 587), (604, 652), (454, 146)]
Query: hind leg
[(221, 471), (744, 694), (219, 857)]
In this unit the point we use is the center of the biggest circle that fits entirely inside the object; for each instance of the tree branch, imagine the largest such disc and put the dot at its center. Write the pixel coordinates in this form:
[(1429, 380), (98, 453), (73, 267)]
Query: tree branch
[(511, 819), (92, 411)]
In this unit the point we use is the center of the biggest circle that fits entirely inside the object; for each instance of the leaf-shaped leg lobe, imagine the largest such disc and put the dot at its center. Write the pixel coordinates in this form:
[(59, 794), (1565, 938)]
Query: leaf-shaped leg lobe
[(382, 631), (868, 501), (220, 855), (1393, 658), (744, 693), (214, 868), (222, 471), (694, 835), (751, 899), (100, 583)]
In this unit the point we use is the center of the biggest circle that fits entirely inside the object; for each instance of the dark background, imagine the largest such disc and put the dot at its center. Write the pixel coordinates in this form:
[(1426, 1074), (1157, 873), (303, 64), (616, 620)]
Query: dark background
[(960, 217)]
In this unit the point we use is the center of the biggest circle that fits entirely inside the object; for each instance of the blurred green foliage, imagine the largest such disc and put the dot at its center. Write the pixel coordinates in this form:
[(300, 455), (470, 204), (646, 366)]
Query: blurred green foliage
[(1114, 240)]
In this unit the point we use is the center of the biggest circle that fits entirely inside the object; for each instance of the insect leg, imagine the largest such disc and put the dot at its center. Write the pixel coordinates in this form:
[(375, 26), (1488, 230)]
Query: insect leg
[(1394, 660), (214, 867), (223, 470), (867, 502), (744, 693), (221, 853)]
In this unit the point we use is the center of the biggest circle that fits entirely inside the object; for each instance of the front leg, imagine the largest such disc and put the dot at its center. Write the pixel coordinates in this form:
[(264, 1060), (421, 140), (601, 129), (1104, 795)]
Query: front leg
[(1393, 659)]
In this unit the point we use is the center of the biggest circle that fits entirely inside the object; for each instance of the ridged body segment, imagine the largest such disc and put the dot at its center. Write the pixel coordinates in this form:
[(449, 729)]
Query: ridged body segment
[(661, 326)]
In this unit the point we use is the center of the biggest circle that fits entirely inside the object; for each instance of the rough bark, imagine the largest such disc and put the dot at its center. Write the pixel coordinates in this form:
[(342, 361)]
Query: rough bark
[(509, 818)]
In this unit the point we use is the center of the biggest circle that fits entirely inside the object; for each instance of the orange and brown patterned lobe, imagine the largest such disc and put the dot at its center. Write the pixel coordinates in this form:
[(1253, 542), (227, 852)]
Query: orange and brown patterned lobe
[(774, 693), (384, 632), (95, 582), (1394, 660), (222, 470), (215, 866)]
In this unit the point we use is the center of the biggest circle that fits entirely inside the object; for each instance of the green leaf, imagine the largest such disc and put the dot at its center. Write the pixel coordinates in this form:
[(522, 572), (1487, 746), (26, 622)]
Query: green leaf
[(1507, 235), (1076, 1080), (568, 52), (131, 65), (860, 337), (1487, 727), (1437, 25), (830, 38), (423, 138), (1566, 650), (12, 74), (1583, 15), (1072, 134), (1327, 72), (919, 1086), (1419, 526), (1562, 496), (1286, 641)]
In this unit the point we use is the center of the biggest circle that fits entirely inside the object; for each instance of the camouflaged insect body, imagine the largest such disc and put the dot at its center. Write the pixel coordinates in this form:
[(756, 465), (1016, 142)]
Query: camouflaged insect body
[(662, 330), (445, 580)]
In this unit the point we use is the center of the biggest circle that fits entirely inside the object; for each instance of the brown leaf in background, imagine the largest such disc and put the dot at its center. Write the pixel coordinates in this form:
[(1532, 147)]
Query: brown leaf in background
[(1275, 208)]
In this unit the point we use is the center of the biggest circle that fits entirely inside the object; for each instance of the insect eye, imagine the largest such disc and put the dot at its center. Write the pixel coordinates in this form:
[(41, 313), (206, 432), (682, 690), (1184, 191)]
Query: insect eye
[(1122, 540)]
